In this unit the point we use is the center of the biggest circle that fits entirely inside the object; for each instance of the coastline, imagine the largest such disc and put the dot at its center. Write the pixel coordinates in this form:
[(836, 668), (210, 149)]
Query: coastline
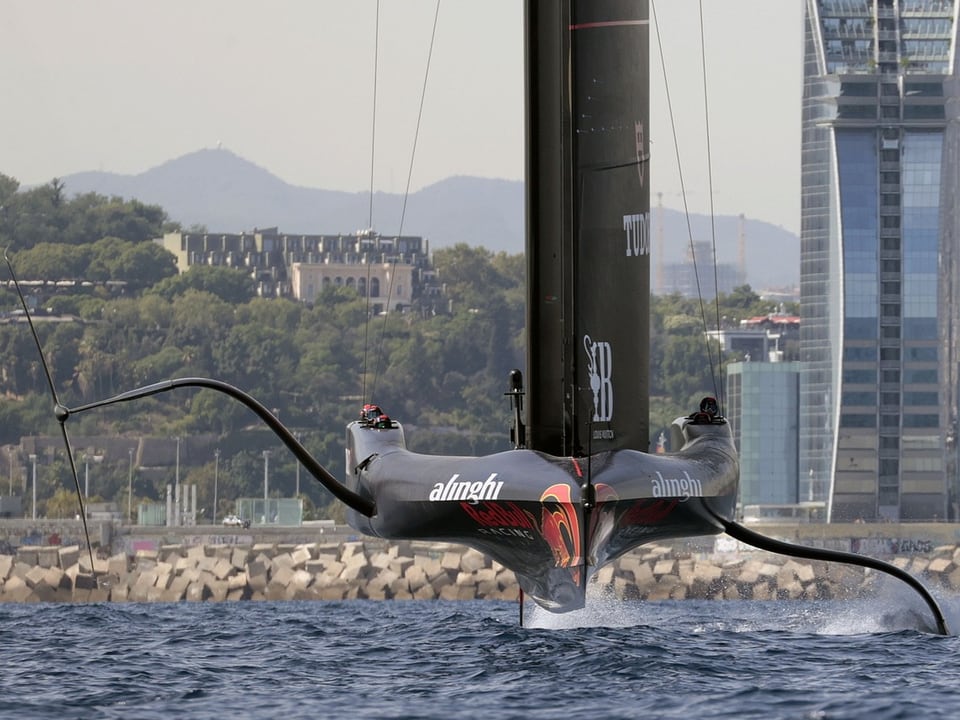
[(345, 569)]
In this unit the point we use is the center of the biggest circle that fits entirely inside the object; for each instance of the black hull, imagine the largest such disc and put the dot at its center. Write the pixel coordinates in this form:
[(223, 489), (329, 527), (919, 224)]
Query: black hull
[(553, 521)]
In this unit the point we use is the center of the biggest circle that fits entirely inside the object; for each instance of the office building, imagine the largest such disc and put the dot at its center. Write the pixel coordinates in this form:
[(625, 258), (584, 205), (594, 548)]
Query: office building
[(879, 225), (762, 407)]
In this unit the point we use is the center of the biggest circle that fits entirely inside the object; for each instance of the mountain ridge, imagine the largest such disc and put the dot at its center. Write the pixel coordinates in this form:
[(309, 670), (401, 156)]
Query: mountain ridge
[(223, 192)]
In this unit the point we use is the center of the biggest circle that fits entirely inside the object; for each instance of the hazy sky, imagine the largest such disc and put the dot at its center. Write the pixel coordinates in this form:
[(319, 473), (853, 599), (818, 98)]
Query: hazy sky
[(124, 86)]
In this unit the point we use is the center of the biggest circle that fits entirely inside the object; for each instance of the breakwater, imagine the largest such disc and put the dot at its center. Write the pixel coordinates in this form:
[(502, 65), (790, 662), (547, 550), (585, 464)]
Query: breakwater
[(371, 569)]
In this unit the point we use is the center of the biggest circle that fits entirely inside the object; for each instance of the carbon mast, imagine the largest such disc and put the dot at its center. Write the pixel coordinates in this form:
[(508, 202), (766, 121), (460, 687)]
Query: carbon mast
[(588, 200)]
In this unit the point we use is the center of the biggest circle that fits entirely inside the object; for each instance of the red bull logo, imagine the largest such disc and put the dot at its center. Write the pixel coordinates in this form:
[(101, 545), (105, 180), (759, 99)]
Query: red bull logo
[(560, 525)]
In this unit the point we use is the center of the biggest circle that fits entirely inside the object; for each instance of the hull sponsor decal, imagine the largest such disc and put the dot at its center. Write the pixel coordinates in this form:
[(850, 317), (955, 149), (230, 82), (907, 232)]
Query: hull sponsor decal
[(646, 516), (684, 487), (636, 231), (506, 520), (641, 155), (471, 492), (600, 370), (560, 525)]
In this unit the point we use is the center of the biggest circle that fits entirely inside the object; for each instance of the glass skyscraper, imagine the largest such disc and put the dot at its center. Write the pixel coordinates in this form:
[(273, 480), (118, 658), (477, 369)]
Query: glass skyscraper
[(878, 389)]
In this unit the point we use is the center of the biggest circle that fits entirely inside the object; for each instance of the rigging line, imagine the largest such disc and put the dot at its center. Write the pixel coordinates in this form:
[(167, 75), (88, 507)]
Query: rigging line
[(713, 217), (373, 120), (59, 408), (373, 145), (683, 192), (406, 196)]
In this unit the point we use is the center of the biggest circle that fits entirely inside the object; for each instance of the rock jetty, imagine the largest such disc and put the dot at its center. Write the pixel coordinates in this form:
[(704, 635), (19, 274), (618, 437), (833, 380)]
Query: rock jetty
[(424, 571)]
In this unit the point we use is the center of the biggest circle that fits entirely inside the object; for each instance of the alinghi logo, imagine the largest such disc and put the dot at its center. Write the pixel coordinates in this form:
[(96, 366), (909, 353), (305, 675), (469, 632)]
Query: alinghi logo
[(471, 492)]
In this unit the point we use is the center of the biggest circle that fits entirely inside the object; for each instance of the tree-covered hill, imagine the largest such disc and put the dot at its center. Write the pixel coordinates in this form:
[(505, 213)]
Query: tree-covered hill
[(440, 368)]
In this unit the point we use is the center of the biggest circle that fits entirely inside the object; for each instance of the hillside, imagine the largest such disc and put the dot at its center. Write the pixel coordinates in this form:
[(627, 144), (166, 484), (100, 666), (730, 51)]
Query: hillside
[(226, 193)]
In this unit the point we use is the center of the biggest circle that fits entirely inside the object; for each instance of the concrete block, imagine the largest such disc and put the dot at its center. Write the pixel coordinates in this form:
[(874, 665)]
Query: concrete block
[(300, 556), (222, 568), (239, 557), (257, 575), (6, 565), (488, 589), (399, 564), (301, 579), (937, 565), (400, 588), (450, 561), (664, 567), (237, 581), (805, 573), (380, 560), (449, 592), (69, 555), (196, 592), (334, 591), (218, 590), (425, 592), (465, 578), (440, 582), (35, 576), (48, 557), (352, 572), (281, 575), (27, 554), (473, 560), (416, 577)]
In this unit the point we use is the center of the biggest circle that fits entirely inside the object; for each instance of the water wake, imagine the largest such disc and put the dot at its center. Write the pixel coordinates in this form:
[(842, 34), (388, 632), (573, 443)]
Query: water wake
[(892, 607)]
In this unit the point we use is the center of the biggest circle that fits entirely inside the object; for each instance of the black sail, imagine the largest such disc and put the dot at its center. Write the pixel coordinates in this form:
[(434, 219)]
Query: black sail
[(588, 200)]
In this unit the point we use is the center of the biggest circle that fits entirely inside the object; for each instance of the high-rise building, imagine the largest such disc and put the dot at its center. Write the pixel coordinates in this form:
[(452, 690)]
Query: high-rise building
[(879, 225)]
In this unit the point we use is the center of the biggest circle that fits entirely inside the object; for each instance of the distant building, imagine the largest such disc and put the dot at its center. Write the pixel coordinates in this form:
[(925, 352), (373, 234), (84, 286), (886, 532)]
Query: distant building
[(879, 278), (761, 338), (763, 411), (387, 270), (392, 270), (697, 276)]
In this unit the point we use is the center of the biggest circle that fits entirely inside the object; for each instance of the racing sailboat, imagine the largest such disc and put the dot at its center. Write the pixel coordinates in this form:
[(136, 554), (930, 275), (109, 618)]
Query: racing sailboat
[(579, 489)]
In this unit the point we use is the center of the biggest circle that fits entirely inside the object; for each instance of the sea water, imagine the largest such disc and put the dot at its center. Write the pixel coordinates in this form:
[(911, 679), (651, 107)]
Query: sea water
[(433, 659)]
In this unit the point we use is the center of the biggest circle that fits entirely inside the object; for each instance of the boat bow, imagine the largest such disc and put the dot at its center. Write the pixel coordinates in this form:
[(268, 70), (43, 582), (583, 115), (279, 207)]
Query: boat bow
[(551, 520)]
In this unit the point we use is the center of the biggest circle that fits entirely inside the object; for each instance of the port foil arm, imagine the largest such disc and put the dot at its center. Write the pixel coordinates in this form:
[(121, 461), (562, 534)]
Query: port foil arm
[(361, 504)]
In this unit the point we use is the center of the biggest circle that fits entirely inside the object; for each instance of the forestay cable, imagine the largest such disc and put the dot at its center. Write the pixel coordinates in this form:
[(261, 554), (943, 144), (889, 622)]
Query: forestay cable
[(373, 146), (683, 194), (406, 195), (713, 215)]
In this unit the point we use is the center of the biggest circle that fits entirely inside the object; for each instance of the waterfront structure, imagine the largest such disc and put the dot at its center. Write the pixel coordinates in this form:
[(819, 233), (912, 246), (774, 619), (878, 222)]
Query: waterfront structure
[(878, 399)]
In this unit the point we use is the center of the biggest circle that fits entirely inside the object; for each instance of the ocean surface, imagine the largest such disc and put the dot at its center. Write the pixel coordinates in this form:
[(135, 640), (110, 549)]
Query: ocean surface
[(420, 659)]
